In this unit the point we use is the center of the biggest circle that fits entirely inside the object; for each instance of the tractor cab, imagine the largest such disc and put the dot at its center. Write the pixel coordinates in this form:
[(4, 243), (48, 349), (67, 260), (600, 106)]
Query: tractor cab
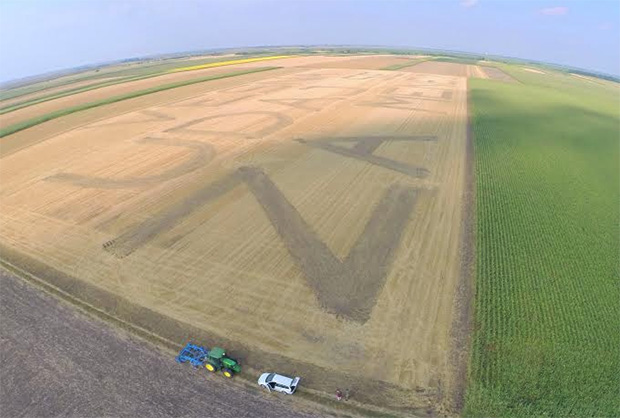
[(217, 360)]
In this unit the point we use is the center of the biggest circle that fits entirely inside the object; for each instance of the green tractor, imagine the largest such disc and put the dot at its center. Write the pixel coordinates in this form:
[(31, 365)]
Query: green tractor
[(217, 360)]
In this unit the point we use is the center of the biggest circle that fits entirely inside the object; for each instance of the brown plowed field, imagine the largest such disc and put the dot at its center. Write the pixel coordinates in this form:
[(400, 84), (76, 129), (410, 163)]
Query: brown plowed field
[(494, 73), (85, 368), (445, 68), (375, 62), (309, 219)]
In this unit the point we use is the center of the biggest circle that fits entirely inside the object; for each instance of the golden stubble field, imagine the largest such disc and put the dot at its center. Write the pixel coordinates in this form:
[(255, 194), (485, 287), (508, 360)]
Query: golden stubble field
[(309, 219)]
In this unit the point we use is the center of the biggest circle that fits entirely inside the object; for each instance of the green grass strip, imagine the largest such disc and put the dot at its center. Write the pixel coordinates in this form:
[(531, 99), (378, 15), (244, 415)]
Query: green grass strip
[(144, 69), (396, 67), (69, 92), (457, 60), (59, 113), (125, 79)]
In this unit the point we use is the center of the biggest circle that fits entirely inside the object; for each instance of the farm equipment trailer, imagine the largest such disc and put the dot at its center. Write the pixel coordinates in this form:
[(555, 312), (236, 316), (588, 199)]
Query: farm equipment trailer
[(213, 360)]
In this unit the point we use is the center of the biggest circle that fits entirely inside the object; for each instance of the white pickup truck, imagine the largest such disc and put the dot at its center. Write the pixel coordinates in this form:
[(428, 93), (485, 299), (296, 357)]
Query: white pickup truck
[(278, 383)]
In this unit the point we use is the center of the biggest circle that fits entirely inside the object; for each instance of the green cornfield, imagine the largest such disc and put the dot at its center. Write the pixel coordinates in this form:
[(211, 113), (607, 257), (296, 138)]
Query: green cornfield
[(546, 336)]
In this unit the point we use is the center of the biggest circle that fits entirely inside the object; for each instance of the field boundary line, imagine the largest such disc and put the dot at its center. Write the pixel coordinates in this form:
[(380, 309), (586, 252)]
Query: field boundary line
[(111, 78), (396, 67), (64, 112), (77, 90), (72, 91), (462, 323), (226, 63), (87, 307)]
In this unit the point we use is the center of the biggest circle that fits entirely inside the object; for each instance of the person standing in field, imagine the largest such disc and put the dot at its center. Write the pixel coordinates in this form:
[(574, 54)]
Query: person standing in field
[(338, 394), (346, 394)]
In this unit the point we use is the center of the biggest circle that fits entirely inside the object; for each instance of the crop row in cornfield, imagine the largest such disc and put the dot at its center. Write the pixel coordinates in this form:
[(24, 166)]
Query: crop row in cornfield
[(547, 318)]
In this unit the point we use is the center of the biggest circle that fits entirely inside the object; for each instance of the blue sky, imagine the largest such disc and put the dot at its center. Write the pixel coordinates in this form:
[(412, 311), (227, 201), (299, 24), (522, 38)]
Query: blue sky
[(43, 35)]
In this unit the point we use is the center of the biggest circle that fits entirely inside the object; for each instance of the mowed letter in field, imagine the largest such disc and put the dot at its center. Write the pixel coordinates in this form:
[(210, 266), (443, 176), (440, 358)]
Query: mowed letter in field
[(310, 219)]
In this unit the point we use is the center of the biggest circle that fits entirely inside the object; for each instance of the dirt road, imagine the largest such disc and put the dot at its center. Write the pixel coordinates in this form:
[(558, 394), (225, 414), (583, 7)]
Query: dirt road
[(56, 361)]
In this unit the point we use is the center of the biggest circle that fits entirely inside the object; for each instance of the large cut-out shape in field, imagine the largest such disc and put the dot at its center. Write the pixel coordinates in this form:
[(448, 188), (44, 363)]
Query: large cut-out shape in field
[(231, 95), (364, 148), (216, 101), (202, 154), (259, 88), (402, 103), (277, 121), (344, 91), (151, 116), (420, 93), (367, 76), (136, 237), (347, 288), (303, 103)]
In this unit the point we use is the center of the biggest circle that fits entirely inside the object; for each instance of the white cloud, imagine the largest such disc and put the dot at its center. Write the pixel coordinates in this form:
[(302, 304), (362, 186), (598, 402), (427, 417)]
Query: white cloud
[(554, 11), (469, 3)]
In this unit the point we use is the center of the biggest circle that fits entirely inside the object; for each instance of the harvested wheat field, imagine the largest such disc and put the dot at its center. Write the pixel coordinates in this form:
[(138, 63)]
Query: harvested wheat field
[(45, 107), (41, 132), (310, 220), (35, 110)]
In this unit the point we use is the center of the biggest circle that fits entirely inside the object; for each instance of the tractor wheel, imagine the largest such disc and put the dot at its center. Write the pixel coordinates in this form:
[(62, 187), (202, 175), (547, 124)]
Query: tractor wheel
[(210, 367), (228, 373)]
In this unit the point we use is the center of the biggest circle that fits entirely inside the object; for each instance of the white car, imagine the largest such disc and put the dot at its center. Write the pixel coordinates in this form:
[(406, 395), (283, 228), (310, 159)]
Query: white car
[(279, 383)]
